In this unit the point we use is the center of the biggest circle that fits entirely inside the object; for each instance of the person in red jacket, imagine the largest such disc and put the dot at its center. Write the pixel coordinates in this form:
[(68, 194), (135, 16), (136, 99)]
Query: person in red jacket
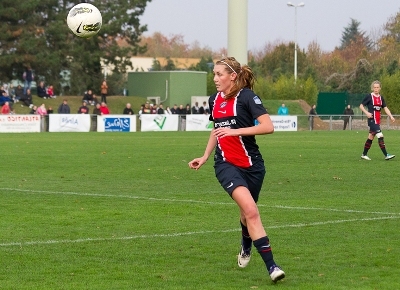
[(104, 109), (5, 110)]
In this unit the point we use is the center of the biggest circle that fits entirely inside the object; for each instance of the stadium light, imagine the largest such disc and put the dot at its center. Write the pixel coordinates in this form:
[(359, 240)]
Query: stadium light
[(295, 35)]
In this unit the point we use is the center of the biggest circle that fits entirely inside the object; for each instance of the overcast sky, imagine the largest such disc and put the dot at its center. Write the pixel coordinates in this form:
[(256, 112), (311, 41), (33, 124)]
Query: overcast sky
[(269, 21)]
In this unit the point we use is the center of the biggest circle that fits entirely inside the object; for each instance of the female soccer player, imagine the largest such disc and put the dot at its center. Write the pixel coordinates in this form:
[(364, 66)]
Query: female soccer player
[(239, 166), (375, 103)]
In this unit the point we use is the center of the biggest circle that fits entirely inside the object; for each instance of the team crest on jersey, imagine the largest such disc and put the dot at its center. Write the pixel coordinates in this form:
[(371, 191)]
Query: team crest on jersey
[(223, 104), (257, 100)]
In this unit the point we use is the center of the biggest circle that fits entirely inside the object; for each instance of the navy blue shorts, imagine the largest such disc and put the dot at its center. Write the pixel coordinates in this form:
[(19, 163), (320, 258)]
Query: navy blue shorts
[(373, 127), (231, 176)]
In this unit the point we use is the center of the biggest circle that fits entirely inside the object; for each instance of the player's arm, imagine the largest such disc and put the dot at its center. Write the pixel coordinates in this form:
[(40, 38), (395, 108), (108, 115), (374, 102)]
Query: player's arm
[(198, 162), (265, 126), (387, 111), (368, 114)]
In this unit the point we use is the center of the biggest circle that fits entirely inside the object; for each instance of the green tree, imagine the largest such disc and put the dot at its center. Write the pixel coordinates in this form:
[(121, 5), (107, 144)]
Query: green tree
[(205, 64), (352, 33), (34, 33), (280, 61)]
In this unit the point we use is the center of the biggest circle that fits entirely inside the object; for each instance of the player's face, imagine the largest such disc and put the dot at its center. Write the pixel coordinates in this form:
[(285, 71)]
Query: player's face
[(377, 89), (223, 80)]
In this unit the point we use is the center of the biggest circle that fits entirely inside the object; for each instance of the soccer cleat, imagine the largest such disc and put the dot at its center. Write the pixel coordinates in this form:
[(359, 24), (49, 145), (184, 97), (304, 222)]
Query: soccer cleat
[(244, 257), (389, 156), (365, 157), (276, 273)]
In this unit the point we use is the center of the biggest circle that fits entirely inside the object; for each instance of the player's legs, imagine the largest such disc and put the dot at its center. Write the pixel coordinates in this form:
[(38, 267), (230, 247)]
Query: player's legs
[(373, 129), (382, 145), (250, 214)]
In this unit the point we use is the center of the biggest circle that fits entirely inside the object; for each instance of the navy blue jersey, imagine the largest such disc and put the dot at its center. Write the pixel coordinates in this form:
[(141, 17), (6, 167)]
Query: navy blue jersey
[(235, 113), (374, 104)]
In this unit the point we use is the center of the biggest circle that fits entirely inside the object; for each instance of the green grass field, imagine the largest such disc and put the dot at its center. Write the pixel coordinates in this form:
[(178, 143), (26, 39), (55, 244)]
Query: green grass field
[(123, 211)]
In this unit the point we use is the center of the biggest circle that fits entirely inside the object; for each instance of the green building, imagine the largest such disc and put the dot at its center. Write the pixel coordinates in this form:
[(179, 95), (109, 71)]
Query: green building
[(168, 87)]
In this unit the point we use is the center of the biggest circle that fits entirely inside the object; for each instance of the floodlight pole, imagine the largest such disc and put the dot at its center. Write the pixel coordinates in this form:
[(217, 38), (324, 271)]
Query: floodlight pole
[(295, 35)]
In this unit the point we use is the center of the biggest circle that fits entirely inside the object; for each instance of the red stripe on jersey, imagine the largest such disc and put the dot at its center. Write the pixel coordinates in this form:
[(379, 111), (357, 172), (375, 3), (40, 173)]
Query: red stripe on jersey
[(377, 102), (232, 147)]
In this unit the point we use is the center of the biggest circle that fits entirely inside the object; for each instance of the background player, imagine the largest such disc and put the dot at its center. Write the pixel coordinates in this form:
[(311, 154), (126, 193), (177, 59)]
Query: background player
[(374, 103)]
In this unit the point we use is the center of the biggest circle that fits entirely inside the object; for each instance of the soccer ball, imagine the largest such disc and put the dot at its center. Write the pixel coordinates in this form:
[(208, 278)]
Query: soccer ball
[(84, 20)]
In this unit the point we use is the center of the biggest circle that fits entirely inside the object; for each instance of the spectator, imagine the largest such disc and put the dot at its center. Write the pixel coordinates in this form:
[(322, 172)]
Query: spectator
[(104, 91), (96, 109), (311, 114), (283, 110), (50, 92), (140, 111), (96, 112), (42, 110), (348, 114), (153, 109), (95, 101), (27, 99), (196, 108), (188, 111), (28, 77), (204, 109), (19, 93), (11, 93), (181, 110), (104, 109), (167, 111), (4, 89), (33, 110), (64, 108), (174, 109), (88, 97), (128, 110), (4, 97), (41, 90), (5, 109), (50, 110), (160, 110), (146, 109), (83, 109)]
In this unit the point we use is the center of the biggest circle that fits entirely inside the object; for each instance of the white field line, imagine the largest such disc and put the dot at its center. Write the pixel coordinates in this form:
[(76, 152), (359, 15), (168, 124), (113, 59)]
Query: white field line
[(28, 191), (83, 240)]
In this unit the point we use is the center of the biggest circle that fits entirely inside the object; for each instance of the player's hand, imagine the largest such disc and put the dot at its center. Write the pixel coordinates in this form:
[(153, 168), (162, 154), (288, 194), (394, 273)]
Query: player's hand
[(224, 132), (197, 163), (369, 115), (393, 119)]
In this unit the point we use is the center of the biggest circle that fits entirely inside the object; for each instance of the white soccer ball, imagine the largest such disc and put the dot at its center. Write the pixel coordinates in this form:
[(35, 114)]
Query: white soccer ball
[(84, 20)]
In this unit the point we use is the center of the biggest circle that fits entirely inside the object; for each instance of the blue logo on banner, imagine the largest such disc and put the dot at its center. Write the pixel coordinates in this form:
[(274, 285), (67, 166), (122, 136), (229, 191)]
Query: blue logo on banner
[(117, 124)]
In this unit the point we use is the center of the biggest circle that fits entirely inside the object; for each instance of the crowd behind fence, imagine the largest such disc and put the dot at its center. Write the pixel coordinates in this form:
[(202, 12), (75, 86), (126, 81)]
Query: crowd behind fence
[(150, 122)]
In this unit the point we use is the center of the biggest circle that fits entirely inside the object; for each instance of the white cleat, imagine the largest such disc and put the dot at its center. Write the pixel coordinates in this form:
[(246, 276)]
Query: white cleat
[(365, 157), (243, 258), (276, 273), (389, 156)]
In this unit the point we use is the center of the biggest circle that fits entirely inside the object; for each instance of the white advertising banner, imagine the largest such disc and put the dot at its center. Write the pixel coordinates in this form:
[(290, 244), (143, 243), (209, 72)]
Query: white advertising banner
[(151, 122), (69, 122), (19, 123), (198, 123), (284, 123), (116, 123)]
